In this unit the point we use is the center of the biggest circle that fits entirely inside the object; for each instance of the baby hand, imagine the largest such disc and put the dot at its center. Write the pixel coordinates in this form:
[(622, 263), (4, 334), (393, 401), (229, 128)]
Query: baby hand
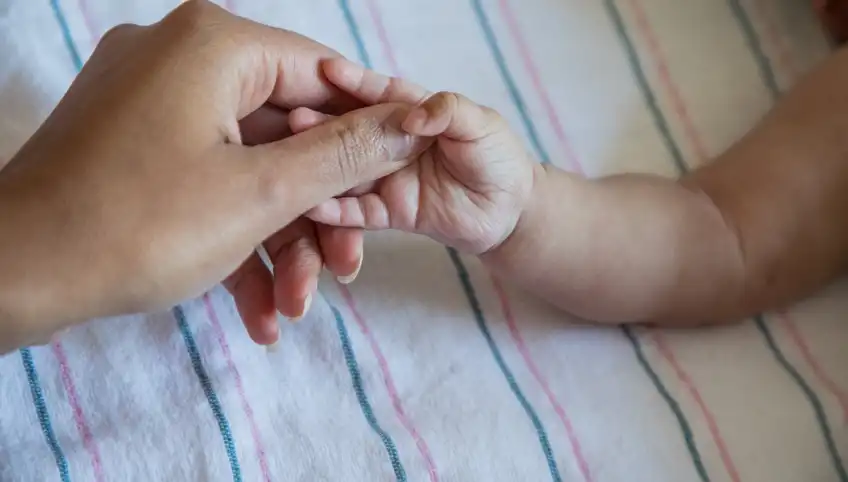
[(466, 191)]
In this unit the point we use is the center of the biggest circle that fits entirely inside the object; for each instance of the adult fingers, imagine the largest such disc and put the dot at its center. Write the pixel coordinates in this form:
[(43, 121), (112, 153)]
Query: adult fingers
[(258, 63), (297, 173), (297, 261), (251, 286), (342, 251), (304, 118), (360, 207)]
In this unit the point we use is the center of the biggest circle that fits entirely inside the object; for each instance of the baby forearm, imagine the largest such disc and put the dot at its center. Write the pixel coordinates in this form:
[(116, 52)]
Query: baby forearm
[(760, 227), (624, 248)]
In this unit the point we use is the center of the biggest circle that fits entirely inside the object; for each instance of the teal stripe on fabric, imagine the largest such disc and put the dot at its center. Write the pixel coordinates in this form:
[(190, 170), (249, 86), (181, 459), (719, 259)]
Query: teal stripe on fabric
[(506, 75), (673, 149), (756, 48), (26, 355), (44, 415), (818, 409), (507, 373), (66, 34), (644, 86), (770, 81), (518, 101), (355, 32), (688, 435), (769, 77), (191, 346), (460, 267), (209, 391), (362, 397)]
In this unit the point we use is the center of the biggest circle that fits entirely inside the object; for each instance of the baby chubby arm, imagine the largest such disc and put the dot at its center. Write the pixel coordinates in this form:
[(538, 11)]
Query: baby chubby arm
[(763, 225)]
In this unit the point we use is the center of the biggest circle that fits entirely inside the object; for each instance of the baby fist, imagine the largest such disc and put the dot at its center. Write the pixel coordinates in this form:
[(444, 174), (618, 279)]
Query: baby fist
[(467, 191)]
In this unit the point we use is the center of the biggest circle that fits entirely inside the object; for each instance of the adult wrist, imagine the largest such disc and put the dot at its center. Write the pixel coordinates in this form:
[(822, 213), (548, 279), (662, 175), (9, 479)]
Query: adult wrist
[(29, 297)]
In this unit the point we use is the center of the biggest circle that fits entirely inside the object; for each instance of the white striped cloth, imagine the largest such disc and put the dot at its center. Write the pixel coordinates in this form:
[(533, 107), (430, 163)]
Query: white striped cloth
[(425, 369)]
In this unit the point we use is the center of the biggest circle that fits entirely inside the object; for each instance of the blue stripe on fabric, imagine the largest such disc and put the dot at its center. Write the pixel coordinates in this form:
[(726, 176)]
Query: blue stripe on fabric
[(756, 48), (671, 145), (506, 75), (191, 345), (769, 78), (461, 270), (43, 415), (362, 397), (460, 267), (818, 409), (685, 428), (209, 391), (647, 93), (350, 358), (507, 373), (26, 355), (66, 34), (355, 32)]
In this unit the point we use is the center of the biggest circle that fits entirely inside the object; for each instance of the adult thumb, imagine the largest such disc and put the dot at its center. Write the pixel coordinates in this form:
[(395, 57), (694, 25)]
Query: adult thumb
[(361, 146)]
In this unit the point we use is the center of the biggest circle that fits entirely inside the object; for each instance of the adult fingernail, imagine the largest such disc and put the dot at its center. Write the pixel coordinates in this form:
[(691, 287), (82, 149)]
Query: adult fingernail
[(272, 348), (415, 121), (348, 279), (307, 302)]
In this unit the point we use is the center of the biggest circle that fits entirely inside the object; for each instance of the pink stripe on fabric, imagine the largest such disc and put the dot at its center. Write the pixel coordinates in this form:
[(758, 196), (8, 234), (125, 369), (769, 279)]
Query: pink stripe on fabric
[(694, 139), (540, 379), (785, 62), (90, 25), (388, 381), (686, 380), (388, 52), (539, 86), (671, 90), (771, 35), (234, 372), (814, 364), (515, 334), (423, 449), (79, 417)]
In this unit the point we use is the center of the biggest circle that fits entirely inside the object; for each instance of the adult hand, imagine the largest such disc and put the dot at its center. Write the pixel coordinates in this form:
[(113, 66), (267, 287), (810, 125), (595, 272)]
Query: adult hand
[(141, 189)]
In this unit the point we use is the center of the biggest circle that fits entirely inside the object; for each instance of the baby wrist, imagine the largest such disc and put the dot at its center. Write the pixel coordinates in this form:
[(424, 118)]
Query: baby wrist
[(528, 228)]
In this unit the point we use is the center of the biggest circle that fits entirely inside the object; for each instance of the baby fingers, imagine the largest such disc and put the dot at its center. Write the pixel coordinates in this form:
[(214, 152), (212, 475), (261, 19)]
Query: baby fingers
[(371, 87), (446, 113)]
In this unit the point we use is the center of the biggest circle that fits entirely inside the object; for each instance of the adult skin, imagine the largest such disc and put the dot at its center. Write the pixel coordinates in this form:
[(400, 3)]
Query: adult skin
[(168, 161)]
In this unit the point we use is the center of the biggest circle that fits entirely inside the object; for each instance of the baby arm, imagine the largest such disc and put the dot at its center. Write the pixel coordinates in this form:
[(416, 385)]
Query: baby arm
[(763, 225)]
